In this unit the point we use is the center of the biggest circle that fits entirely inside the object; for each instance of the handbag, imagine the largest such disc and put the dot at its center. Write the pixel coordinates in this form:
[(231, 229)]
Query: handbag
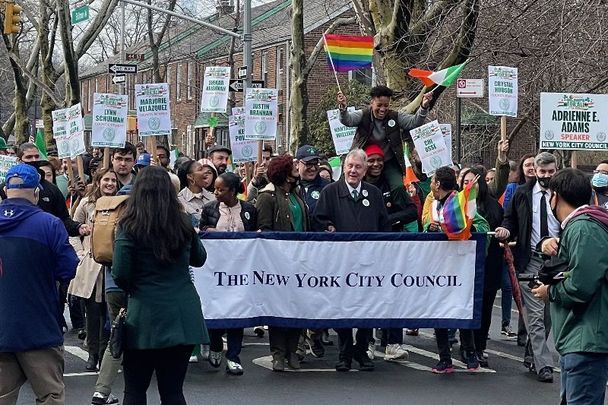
[(117, 334)]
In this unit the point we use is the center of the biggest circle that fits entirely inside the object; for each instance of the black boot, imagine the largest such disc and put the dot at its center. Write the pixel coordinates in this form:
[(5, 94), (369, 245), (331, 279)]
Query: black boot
[(92, 362)]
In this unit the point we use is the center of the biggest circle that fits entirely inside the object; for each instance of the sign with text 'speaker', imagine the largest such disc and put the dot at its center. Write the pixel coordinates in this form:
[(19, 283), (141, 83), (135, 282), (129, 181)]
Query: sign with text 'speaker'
[(153, 110), (502, 91), (573, 121), (350, 283)]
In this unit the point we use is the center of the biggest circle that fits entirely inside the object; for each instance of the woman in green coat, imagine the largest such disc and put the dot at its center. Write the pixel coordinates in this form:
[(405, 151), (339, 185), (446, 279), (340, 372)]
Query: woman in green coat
[(154, 248)]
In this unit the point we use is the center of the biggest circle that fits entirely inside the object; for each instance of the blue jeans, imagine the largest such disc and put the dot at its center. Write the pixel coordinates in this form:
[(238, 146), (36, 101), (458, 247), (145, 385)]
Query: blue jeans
[(584, 377), (506, 300)]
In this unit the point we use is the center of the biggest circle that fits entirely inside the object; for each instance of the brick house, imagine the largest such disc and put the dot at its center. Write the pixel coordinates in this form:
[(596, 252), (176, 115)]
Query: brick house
[(189, 48)]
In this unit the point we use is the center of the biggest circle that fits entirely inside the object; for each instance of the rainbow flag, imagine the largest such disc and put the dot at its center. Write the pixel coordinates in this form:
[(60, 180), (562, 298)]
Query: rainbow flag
[(457, 214), (348, 52)]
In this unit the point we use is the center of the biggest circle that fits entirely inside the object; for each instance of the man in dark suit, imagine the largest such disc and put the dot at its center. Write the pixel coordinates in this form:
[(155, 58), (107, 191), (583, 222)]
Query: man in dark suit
[(529, 219), (352, 205)]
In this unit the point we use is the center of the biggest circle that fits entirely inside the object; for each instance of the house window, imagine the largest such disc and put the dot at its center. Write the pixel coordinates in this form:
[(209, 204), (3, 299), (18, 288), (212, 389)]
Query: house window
[(280, 64), (190, 79), (178, 81), (363, 76), (89, 96), (264, 67)]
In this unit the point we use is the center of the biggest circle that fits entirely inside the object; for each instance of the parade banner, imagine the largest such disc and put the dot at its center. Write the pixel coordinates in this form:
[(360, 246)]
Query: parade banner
[(261, 114), (573, 121), (446, 130), (215, 89), (109, 128), (6, 162), (316, 280), (153, 110), (431, 147), (75, 138), (502, 90), (340, 133), (243, 150)]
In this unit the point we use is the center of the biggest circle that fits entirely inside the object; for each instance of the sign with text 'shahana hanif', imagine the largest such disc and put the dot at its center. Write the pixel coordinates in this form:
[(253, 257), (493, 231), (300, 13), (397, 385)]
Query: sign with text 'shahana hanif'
[(340, 133), (502, 90), (573, 121), (431, 147), (153, 110), (261, 114), (243, 150), (109, 128), (215, 89)]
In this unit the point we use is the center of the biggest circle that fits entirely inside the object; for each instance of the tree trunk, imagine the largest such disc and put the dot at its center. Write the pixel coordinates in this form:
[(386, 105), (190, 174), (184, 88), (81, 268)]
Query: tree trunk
[(72, 84), (298, 102)]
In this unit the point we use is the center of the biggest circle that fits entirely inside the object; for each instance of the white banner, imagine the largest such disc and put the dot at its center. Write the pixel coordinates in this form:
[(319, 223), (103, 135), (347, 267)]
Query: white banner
[(109, 128), (153, 110), (573, 121), (431, 147), (364, 282), (341, 134), (75, 126), (6, 162), (502, 90), (243, 150), (215, 89), (261, 114), (446, 130)]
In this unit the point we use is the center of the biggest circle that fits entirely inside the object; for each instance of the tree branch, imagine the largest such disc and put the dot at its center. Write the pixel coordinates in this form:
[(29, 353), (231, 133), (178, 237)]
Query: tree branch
[(15, 59)]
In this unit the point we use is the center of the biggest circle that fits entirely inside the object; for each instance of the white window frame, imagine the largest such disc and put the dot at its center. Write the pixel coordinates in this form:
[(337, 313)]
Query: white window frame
[(190, 80), (178, 81)]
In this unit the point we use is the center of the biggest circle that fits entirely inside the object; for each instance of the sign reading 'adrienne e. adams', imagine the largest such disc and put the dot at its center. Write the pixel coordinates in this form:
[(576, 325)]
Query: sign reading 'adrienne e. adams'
[(573, 121), (354, 280)]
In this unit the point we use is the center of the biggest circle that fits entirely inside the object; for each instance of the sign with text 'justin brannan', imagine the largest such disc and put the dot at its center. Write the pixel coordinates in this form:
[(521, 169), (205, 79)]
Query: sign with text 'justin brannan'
[(261, 114), (354, 280), (573, 121), (153, 111), (215, 89)]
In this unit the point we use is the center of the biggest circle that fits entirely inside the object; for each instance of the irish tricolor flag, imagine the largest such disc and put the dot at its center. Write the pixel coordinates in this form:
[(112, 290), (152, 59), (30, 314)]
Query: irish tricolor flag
[(445, 77)]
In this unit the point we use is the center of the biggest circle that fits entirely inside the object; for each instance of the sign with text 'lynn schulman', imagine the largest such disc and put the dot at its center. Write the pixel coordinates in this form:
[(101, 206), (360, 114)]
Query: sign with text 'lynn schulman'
[(321, 280)]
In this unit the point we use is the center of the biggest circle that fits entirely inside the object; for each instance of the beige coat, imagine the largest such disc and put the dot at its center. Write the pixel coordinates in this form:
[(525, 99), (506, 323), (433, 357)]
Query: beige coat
[(88, 273)]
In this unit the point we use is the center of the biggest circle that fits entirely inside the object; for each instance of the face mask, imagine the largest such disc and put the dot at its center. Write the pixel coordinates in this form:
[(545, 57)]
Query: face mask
[(554, 208), (599, 180), (544, 181)]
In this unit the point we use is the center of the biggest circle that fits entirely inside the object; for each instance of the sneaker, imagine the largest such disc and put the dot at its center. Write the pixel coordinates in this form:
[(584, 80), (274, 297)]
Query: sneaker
[(482, 358), (215, 359), (506, 331), (545, 375), (325, 339), (259, 331), (396, 352), (371, 350), (205, 350), (193, 359), (316, 347), (443, 367), (472, 362), (278, 363), (101, 399), (234, 368), (411, 332)]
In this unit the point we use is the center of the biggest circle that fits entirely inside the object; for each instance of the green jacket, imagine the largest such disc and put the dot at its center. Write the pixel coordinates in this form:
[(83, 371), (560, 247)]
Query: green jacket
[(273, 210), (579, 304), (164, 307)]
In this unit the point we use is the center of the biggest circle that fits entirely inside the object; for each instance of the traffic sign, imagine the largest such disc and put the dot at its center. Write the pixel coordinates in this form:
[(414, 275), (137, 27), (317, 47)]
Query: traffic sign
[(242, 72), (118, 68), (469, 88), (80, 14), (119, 79), (237, 85), (134, 57)]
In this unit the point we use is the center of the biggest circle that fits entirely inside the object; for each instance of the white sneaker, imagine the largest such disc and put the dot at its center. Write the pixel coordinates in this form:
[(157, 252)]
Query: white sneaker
[(234, 368), (371, 349), (205, 352), (396, 351), (215, 359), (101, 399), (193, 359)]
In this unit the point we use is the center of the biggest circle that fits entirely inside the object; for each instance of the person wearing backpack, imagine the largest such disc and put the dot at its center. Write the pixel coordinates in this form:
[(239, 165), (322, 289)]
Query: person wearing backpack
[(579, 298), (89, 280)]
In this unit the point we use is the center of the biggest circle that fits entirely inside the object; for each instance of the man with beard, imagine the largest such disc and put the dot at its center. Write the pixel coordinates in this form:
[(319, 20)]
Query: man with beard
[(599, 183), (529, 219), (219, 156)]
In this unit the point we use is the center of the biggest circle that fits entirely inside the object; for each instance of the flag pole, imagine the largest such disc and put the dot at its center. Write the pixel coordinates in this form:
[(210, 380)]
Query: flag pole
[(332, 63)]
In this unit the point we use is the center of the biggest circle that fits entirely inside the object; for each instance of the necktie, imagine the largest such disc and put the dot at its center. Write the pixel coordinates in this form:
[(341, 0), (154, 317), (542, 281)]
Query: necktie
[(544, 227), (355, 194)]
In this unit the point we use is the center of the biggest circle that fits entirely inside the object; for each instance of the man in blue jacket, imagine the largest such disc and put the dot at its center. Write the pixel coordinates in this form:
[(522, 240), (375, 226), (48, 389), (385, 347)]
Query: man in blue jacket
[(34, 255)]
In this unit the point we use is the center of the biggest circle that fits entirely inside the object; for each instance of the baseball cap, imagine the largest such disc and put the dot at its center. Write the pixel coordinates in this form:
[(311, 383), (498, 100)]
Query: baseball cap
[(28, 174), (374, 150), (143, 160), (218, 148), (307, 153)]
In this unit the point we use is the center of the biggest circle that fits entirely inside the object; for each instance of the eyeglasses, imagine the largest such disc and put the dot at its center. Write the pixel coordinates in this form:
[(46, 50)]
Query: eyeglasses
[(312, 163)]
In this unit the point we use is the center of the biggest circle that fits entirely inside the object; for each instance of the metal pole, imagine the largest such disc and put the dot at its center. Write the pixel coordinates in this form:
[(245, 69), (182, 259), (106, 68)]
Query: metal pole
[(248, 59), (458, 131)]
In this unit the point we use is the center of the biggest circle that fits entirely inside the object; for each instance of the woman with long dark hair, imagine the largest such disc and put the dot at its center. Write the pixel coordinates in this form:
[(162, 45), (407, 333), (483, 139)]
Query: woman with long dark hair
[(526, 168), (228, 214), (154, 247), (491, 210)]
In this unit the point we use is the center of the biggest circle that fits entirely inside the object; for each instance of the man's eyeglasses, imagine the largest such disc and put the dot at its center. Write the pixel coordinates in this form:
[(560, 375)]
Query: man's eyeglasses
[(312, 163)]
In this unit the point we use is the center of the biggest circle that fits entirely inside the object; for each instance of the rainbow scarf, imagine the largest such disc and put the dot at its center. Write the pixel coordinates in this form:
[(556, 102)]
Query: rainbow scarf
[(347, 52), (457, 213)]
